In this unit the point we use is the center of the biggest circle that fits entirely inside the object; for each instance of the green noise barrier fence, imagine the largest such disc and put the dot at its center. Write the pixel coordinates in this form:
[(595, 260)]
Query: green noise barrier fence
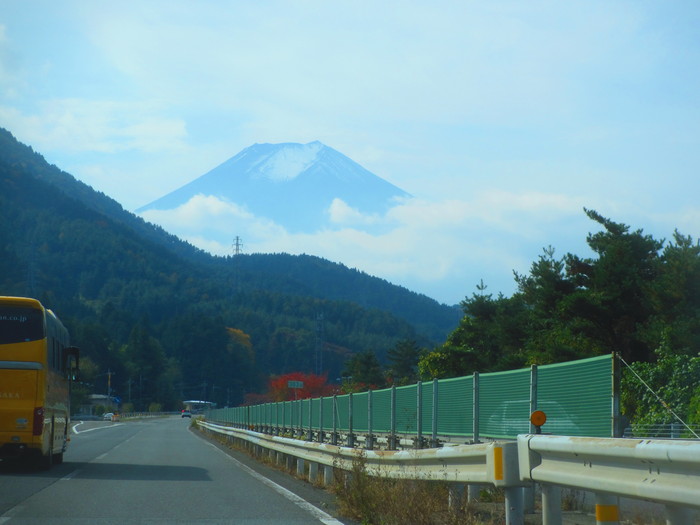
[(579, 398)]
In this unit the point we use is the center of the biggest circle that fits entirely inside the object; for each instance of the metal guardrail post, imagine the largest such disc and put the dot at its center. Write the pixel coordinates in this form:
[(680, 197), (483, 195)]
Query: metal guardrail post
[(607, 509), (551, 504), (515, 514), (475, 406)]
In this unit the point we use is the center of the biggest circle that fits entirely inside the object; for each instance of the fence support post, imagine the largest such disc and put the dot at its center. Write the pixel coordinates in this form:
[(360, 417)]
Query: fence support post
[(616, 420), (334, 437), (351, 436), (392, 436), (419, 415), (284, 419), (310, 436), (320, 421), (434, 443), (369, 443), (475, 407)]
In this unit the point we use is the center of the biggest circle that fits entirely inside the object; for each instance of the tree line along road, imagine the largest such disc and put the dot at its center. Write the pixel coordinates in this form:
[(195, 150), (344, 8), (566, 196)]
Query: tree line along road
[(156, 471)]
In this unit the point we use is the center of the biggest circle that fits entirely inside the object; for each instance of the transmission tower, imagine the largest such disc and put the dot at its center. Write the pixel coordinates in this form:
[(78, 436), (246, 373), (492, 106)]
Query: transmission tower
[(237, 245), (237, 249)]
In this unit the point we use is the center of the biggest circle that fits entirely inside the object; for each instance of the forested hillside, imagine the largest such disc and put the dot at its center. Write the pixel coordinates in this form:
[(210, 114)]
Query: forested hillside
[(169, 321)]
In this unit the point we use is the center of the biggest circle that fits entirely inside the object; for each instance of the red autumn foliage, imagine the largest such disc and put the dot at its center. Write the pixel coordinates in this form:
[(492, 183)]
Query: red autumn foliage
[(314, 386)]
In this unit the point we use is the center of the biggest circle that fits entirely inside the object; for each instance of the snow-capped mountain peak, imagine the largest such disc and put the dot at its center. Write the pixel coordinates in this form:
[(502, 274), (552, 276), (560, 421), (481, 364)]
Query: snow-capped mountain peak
[(294, 185), (286, 163)]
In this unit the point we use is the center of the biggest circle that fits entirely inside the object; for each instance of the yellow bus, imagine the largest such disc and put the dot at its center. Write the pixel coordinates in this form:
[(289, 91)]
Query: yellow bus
[(37, 366)]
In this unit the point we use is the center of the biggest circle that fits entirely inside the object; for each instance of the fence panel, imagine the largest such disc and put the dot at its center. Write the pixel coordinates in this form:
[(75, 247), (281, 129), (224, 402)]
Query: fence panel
[(427, 409), (381, 417), (360, 422), (574, 395), (504, 403), (406, 409), (456, 407)]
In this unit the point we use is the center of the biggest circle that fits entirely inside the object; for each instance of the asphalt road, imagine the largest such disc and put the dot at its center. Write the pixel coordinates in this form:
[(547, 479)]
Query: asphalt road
[(155, 472)]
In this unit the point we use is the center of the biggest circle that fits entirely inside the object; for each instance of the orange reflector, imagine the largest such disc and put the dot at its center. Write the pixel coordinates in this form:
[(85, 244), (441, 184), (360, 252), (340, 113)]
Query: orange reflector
[(607, 513), (538, 418), (498, 463)]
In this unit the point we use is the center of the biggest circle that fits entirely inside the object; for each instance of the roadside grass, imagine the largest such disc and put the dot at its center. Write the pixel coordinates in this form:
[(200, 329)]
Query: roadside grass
[(373, 500), (377, 500)]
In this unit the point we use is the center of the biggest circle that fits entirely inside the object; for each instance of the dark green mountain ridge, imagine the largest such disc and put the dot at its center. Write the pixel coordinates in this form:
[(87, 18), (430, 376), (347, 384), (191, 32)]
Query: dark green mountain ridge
[(122, 284)]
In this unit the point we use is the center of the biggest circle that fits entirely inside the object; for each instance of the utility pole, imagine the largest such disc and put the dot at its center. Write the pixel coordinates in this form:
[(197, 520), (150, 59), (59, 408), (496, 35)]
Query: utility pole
[(109, 382), (319, 343)]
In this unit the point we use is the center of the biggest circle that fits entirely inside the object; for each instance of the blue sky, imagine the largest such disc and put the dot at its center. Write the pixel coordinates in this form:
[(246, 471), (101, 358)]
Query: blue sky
[(503, 119)]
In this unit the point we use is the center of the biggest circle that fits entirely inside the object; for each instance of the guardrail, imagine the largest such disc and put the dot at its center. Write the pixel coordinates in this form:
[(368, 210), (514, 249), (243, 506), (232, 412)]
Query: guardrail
[(663, 471), (666, 472)]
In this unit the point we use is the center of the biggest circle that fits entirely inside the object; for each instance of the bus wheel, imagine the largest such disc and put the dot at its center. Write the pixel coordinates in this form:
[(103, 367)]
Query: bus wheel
[(57, 458), (44, 462)]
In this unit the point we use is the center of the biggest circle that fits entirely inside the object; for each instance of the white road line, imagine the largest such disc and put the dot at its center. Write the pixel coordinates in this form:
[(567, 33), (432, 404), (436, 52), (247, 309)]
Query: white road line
[(96, 428), (10, 514), (322, 516), (70, 476)]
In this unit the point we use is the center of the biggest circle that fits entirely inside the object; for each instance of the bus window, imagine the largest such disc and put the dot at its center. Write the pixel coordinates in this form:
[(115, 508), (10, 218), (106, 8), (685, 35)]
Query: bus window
[(19, 325)]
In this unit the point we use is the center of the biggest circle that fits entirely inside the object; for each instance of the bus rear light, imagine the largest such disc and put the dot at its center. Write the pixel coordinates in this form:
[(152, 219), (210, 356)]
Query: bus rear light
[(38, 428)]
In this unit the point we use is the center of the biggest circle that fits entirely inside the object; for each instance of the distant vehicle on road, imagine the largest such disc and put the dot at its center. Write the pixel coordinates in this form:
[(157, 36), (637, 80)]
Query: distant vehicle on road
[(109, 416), (186, 413)]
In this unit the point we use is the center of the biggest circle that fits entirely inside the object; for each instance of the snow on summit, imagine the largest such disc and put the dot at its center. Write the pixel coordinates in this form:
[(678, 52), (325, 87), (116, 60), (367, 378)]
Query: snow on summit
[(287, 163)]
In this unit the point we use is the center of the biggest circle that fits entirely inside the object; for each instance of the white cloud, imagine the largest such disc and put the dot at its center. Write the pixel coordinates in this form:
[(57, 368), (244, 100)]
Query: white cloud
[(341, 213), (440, 248), (75, 125)]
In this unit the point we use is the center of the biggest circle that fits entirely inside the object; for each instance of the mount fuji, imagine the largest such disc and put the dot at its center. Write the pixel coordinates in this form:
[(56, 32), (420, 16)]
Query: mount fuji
[(295, 185)]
